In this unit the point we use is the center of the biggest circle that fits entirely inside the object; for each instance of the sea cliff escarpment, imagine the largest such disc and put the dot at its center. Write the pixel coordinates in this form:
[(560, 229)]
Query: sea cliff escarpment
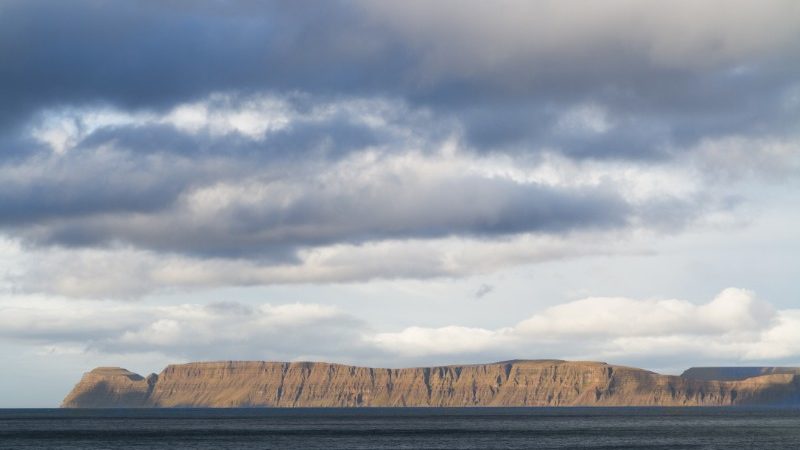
[(511, 383)]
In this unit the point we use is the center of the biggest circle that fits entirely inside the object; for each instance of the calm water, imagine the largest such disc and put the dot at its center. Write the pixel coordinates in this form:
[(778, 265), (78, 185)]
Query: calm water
[(598, 428)]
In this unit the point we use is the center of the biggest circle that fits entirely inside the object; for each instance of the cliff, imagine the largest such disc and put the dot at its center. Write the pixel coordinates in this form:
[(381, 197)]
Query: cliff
[(511, 383), (110, 386)]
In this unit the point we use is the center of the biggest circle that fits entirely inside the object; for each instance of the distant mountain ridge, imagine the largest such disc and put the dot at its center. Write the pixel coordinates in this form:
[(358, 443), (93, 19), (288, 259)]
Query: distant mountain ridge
[(735, 373), (507, 383)]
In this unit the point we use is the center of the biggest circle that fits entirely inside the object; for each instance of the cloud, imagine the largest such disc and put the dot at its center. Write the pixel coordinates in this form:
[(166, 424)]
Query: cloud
[(732, 309), (262, 177), (734, 327), (157, 55), (218, 330), (128, 273), (741, 157), (486, 39), (666, 75), (262, 216), (505, 71), (421, 341), (186, 200), (483, 290), (189, 145)]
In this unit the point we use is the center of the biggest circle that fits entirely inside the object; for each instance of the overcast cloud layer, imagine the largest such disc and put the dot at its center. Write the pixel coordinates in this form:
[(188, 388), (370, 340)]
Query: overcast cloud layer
[(260, 131), (155, 153)]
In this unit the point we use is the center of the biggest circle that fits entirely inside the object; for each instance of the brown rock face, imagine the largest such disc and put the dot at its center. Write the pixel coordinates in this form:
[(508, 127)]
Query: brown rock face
[(512, 383), (108, 387)]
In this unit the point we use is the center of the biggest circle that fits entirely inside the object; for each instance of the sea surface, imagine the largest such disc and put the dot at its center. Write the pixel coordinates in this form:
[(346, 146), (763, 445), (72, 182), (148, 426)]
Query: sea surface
[(376, 428)]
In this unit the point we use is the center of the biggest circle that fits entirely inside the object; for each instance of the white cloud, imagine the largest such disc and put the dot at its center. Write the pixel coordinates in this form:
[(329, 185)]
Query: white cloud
[(253, 116), (218, 330), (419, 341), (220, 115), (780, 341), (733, 327), (63, 128), (131, 273), (732, 309)]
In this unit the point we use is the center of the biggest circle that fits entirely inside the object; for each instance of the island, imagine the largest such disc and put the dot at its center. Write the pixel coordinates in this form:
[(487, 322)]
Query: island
[(517, 383)]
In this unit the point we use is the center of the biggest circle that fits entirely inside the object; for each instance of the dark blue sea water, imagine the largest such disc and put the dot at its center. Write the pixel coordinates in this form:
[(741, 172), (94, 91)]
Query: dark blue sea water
[(541, 428)]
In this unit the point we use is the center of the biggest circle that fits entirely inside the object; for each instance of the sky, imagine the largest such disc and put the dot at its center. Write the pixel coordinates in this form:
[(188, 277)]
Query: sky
[(396, 184)]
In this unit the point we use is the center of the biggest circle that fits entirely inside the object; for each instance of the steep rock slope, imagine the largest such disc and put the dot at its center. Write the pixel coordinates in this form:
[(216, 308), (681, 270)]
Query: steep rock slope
[(110, 386), (511, 383)]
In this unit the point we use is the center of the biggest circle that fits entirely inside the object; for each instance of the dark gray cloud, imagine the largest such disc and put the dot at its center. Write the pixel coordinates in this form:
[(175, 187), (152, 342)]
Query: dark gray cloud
[(368, 96), (329, 139), (339, 172), (484, 290), (82, 186), (271, 216), (154, 54), (504, 84)]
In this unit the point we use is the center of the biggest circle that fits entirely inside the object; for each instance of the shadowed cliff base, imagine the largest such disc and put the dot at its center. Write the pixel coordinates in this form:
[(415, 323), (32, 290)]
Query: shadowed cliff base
[(236, 384)]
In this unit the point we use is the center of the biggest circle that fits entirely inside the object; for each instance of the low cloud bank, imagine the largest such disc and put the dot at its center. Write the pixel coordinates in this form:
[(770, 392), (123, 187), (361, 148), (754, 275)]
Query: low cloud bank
[(734, 327)]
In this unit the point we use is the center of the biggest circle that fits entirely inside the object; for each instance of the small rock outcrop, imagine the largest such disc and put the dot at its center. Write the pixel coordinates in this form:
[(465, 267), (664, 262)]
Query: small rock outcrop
[(509, 383)]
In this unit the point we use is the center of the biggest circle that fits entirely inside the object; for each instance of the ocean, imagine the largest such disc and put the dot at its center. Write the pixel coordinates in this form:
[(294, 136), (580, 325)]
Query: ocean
[(412, 428)]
